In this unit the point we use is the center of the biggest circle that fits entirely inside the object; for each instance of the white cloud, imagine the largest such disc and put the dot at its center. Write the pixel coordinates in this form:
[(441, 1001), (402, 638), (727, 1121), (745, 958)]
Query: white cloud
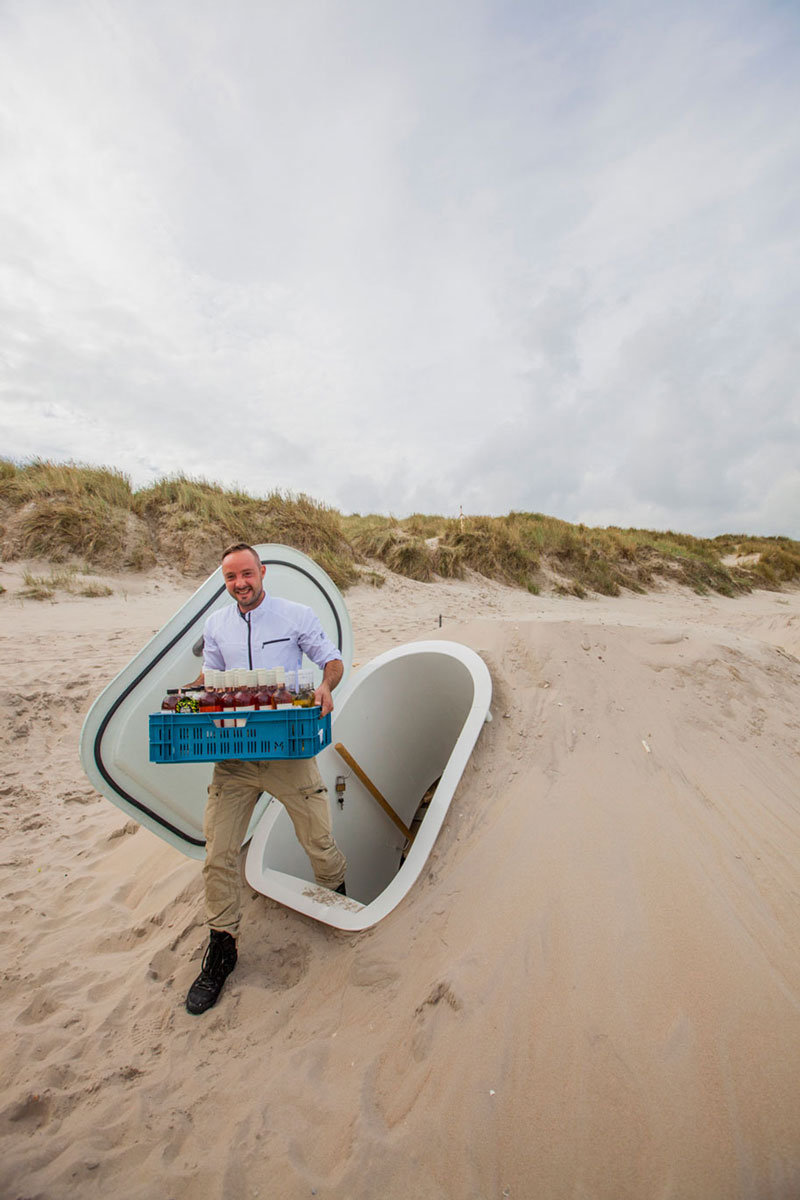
[(410, 256)]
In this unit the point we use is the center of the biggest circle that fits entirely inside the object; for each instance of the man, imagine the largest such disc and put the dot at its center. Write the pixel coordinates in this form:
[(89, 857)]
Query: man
[(260, 631)]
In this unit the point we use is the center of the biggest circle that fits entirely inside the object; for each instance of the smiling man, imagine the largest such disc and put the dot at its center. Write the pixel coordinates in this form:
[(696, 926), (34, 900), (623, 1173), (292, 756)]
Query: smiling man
[(260, 630)]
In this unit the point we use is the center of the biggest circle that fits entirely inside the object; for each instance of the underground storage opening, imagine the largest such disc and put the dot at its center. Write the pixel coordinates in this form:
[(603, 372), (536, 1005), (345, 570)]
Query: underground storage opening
[(403, 731)]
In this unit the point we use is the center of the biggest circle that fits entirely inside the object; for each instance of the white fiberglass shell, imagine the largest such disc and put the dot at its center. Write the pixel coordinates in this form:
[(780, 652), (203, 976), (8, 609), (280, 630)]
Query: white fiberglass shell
[(409, 718), (170, 799)]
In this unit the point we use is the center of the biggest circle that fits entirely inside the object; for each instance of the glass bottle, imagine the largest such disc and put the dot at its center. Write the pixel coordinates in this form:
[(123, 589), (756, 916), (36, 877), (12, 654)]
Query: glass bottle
[(170, 702), (209, 700), (305, 689), (244, 698), (228, 700)]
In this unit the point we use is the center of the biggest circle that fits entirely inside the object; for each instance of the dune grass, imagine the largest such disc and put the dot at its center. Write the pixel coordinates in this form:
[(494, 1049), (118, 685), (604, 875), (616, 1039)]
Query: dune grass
[(41, 479), (182, 511), (539, 552), (61, 579), (44, 587), (60, 512), (68, 512), (57, 529)]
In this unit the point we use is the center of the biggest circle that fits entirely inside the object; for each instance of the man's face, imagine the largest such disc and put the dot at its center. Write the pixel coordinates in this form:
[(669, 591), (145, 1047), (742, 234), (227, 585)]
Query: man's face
[(243, 574)]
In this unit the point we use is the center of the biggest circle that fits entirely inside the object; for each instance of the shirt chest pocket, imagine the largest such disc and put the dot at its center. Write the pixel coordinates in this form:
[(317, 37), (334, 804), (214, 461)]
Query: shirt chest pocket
[(277, 652)]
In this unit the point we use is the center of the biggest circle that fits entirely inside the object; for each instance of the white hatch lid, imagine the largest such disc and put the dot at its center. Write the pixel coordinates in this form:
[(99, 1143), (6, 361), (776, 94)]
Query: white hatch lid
[(169, 800)]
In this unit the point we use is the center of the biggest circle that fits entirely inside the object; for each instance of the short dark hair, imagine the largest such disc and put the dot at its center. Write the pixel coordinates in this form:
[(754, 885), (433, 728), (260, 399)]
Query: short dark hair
[(236, 547)]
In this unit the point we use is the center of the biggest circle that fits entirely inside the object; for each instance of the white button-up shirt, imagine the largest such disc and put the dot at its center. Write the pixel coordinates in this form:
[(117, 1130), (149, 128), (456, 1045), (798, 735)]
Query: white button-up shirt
[(276, 634)]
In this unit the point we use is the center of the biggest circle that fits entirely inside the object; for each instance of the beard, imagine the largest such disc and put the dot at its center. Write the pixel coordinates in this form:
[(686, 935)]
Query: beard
[(249, 597)]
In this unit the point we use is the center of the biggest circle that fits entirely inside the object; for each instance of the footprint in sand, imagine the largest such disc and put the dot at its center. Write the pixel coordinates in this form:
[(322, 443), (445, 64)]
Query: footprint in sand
[(282, 968), (39, 1009), (440, 998), (32, 1110), (373, 973)]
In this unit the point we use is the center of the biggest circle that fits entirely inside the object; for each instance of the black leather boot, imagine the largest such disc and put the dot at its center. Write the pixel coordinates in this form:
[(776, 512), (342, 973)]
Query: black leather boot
[(218, 962)]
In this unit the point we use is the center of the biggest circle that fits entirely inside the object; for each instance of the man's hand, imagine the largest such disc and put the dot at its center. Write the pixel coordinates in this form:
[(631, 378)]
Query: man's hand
[(323, 697), (331, 675)]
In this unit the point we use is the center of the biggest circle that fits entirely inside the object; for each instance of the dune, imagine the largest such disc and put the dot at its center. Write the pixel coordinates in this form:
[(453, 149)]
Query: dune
[(592, 991)]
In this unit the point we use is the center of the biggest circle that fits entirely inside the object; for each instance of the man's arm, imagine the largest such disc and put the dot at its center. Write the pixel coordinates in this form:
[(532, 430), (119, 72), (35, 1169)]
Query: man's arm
[(331, 675)]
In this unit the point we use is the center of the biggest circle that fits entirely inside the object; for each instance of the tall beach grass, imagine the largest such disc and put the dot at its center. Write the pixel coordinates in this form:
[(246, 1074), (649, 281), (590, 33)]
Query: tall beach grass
[(70, 513)]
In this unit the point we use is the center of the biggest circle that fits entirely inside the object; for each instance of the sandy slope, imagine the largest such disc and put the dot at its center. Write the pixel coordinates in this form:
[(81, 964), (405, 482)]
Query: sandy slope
[(593, 991)]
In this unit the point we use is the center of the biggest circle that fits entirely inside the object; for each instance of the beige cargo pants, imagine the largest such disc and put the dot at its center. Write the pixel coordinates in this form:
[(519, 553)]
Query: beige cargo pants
[(232, 795)]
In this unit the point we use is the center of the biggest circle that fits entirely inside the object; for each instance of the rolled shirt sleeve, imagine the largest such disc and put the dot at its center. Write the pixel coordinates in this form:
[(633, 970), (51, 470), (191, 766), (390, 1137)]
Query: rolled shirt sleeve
[(315, 643)]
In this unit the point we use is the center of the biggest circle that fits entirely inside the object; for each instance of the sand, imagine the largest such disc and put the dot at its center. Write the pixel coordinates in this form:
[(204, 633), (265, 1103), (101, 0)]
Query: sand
[(592, 992)]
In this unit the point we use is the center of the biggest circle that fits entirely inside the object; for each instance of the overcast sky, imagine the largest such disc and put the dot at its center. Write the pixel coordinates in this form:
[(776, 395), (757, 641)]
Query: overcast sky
[(410, 255)]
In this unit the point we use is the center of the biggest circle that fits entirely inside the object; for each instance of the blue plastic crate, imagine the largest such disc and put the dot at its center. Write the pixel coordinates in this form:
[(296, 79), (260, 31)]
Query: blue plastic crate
[(212, 737)]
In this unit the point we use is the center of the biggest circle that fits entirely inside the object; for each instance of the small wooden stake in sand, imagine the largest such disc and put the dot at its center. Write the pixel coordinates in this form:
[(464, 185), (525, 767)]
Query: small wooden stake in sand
[(370, 786)]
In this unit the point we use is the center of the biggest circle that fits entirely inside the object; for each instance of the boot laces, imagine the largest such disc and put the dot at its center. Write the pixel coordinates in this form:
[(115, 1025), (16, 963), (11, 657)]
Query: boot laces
[(215, 962)]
